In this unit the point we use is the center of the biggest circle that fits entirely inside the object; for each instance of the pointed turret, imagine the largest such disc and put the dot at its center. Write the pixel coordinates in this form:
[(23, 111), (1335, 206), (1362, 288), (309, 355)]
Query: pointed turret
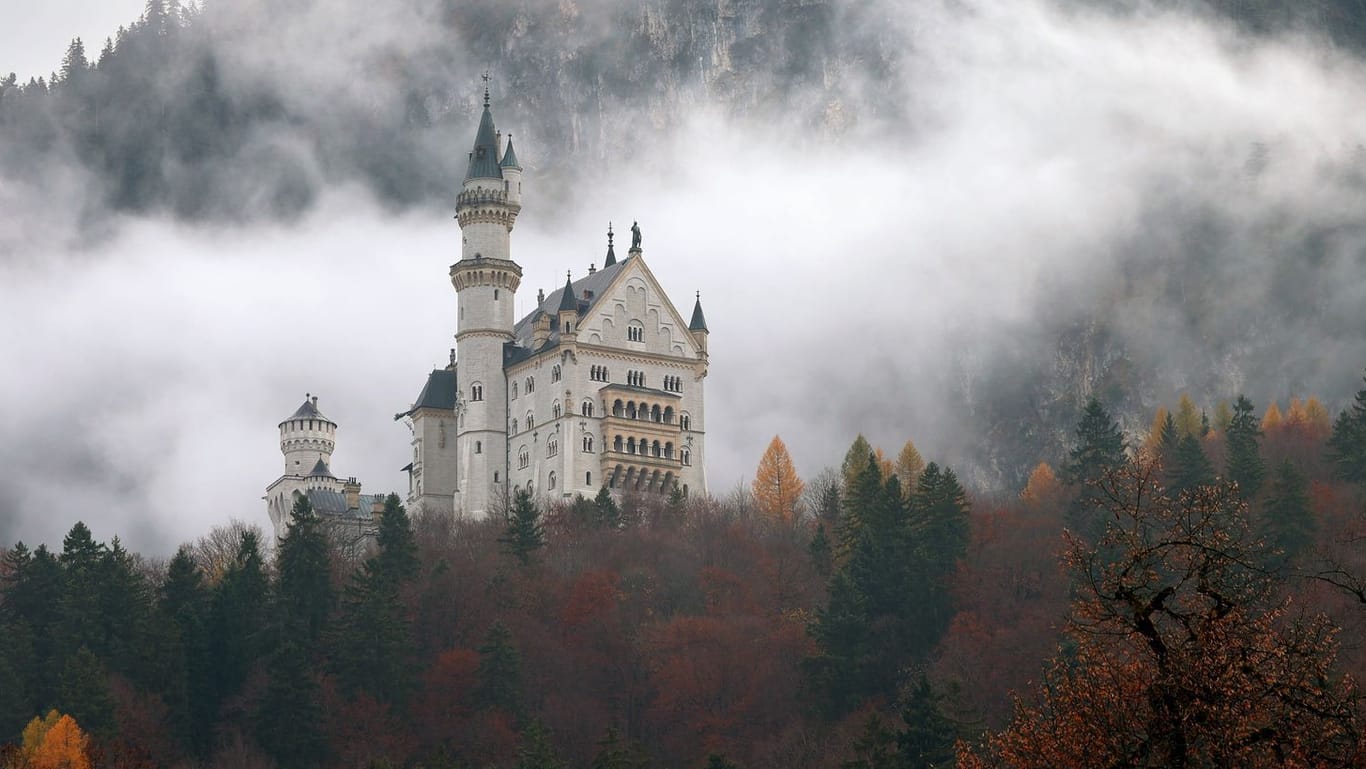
[(567, 300), (509, 157), (568, 315), (611, 251), (484, 156), (698, 322)]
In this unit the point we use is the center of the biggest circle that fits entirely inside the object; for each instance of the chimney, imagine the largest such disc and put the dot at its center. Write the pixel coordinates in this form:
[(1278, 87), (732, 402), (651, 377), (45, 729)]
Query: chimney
[(351, 490), (377, 506), (591, 268), (315, 401)]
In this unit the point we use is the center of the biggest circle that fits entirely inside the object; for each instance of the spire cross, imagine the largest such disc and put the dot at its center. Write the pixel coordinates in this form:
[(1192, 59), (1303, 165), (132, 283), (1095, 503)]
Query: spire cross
[(609, 233), (486, 88)]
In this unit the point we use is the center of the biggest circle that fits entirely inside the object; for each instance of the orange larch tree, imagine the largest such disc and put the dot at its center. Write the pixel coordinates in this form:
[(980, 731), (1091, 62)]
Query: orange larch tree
[(777, 488)]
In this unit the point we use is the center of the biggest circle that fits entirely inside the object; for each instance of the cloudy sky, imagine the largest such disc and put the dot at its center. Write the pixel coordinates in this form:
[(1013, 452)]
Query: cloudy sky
[(854, 281), (36, 35)]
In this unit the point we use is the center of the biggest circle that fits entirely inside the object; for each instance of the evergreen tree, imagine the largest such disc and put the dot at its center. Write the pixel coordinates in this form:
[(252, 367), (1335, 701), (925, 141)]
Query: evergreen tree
[(499, 679), (238, 619), (822, 558), (927, 741), (940, 527), (18, 665), (304, 596), (1347, 446), (80, 613), (1099, 451), (125, 608), (875, 747), (535, 750), (85, 693), (185, 601), (31, 614), (74, 63), (523, 534), (1245, 466), (289, 721), (854, 460), (397, 544), (608, 515), (828, 504), (840, 672), (1168, 440), (1192, 468), (1288, 521)]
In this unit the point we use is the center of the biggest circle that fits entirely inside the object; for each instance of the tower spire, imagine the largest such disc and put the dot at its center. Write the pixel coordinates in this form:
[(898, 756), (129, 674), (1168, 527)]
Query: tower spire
[(611, 252)]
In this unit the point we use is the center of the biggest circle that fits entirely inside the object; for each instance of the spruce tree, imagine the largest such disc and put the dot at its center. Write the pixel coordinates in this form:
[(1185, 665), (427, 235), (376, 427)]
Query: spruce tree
[(875, 747), (1099, 451), (840, 670), (1347, 446), (608, 515), (1288, 522), (289, 721), (184, 601), (499, 677), (304, 597), (928, 740), (1245, 466), (1192, 468), (85, 693), (397, 544), (523, 535), (238, 619)]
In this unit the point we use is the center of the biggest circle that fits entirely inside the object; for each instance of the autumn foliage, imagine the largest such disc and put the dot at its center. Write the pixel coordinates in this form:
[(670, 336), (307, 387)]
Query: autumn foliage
[(777, 488)]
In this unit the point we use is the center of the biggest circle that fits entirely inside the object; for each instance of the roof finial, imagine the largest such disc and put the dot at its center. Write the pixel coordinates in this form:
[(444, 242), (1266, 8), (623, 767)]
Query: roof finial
[(486, 89), (566, 274), (609, 234), (699, 296)]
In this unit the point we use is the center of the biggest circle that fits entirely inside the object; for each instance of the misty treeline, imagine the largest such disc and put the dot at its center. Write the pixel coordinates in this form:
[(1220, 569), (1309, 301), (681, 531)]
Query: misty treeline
[(1168, 599)]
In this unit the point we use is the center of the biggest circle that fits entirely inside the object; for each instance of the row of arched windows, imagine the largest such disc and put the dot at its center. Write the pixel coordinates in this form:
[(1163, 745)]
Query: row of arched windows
[(643, 447), (555, 373), (635, 378), (476, 392), (598, 373), (588, 408), (643, 411), (523, 457), (635, 332), (552, 448), (673, 384), (588, 444)]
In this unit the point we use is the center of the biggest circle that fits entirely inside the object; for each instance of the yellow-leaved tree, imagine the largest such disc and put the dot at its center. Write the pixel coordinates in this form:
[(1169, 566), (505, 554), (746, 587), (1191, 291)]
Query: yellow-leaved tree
[(1187, 417), (1272, 420), (1154, 437), (1042, 492), (909, 466), (777, 489), (55, 742), (884, 465)]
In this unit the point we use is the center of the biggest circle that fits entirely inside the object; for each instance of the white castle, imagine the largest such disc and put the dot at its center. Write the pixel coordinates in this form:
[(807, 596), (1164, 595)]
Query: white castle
[(600, 385)]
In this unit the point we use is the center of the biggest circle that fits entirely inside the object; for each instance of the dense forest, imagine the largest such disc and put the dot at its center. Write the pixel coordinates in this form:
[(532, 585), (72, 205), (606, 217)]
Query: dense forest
[(1167, 599)]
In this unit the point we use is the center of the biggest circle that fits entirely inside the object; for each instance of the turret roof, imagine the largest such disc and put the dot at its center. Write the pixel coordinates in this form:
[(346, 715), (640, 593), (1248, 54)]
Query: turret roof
[(611, 251), (321, 470), (309, 410), (567, 300), (510, 157), (484, 156), (698, 322), (438, 393)]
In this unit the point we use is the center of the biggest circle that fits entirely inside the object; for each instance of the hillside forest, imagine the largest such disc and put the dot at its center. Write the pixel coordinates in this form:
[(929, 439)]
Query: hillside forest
[(1192, 596)]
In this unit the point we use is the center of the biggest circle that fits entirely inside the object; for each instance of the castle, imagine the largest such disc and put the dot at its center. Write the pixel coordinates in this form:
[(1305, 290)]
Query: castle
[(599, 385)]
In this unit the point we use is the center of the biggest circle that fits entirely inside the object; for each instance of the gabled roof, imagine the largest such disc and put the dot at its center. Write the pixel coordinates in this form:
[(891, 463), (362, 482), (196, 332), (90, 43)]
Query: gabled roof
[(596, 283), (438, 393), (321, 470), (698, 322), (484, 156)]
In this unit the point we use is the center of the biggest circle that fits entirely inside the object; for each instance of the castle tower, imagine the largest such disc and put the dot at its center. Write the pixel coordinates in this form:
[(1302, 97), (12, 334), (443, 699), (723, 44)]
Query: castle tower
[(307, 440), (485, 280)]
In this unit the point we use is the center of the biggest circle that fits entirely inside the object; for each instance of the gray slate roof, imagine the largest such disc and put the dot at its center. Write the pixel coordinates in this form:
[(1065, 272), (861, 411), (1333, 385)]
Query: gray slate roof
[(321, 469), (438, 393), (308, 411), (328, 503), (698, 322), (568, 296), (510, 157), (596, 282), (484, 157)]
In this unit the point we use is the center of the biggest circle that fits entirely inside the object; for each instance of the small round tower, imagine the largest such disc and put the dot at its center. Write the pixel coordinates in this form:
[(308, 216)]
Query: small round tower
[(307, 438)]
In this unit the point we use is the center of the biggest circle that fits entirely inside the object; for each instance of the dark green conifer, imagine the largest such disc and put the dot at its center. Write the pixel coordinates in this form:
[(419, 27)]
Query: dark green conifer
[(1099, 451), (304, 597), (523, 535), (85, 693), (499, 678), (875, 747), (289, 722), (238, 618), (1192, 468), (928, 739), (1288, 523), (535, 750), (822, 558), (1244, 466), (1347, 446), (608, 514)]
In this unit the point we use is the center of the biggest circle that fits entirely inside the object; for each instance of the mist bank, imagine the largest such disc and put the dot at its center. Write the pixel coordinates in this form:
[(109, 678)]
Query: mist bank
[(1041, 205)]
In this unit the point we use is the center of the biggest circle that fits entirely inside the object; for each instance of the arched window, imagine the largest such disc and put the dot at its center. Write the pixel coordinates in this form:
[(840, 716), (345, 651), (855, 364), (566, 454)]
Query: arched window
[(479, 447), (555, 373), (550, 482), (685, 422), (631, 410), (616, 444), (523, 457), (552, 447), (530, 385), (669, 415), (630, 445), (655, 449), (588, 408), (617, 408), (655, 413), (530, 423), (635, 332), (495, 476), (588, 444), (476, 392), (669, 450), (555, 409), (687, 457), (514, 427), (514, 390)]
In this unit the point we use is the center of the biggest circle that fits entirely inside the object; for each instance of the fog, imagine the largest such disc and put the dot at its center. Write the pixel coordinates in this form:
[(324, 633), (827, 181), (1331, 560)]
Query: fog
[(1191, 197)]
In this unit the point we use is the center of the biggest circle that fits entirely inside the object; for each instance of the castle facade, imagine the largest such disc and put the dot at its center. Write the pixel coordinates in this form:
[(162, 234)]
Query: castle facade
[(601, 384)]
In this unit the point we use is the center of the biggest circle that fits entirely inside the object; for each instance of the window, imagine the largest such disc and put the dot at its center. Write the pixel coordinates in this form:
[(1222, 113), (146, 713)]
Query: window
[(655, 449), (635, 332), (514, 390), (635, 378), (598, 373), (495, 294), (687, 456), (476, 392), (588, 479), (555, 409), (588, 408), (630, 445), (523, 457), (588, 444), (555, 373), (550, 482), (552, 448), (530, 385), (685, 422), (514, 427), (530, 423), (479, 447), (673, 384), (495, 476), (616, 444)]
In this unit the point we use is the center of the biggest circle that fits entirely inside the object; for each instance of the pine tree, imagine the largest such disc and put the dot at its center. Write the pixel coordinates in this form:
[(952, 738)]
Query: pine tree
[(499, 679), (1099, 451), (608, 515), (535, 750), (81, 616), (523, 535), (238, 618), (397, 545), (1245, 466), (85, 693), (939, 522), (304, 596), (74, 63), (1347, 446), (1288, 520), (289, 722), (927, 741), (1192, 467), (185, 601), (1167, 442), (777, 488), (839, 672)]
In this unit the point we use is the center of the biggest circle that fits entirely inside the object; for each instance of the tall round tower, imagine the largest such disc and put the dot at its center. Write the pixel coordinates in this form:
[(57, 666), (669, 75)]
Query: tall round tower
[(485, 281), (307, 438)]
